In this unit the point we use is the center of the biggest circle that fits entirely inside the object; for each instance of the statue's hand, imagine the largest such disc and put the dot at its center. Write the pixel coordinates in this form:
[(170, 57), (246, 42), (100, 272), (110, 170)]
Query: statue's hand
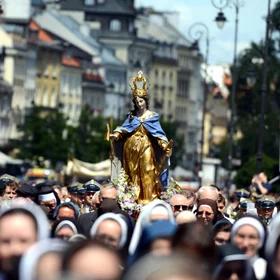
[(114, 136), (167, 148), (168, 152)]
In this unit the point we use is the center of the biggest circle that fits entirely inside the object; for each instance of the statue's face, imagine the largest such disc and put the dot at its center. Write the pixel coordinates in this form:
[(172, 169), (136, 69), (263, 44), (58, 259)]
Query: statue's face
[(140, 103)]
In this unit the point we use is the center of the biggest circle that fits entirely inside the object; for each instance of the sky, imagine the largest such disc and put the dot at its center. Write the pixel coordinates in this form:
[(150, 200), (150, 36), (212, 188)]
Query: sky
[(251, 23)]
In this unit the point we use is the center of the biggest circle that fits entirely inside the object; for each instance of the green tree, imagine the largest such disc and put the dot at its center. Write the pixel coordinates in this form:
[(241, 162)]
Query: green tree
[(44, 134), (88, 139)]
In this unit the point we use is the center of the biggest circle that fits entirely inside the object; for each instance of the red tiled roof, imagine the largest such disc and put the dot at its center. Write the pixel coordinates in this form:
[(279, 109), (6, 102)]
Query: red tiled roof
[(34, 26), (71, 61), (42, 34)]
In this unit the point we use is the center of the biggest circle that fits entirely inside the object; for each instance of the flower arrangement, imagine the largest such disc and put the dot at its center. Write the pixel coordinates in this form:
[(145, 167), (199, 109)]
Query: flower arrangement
[(172, 189), (127, 197), (127, 194)]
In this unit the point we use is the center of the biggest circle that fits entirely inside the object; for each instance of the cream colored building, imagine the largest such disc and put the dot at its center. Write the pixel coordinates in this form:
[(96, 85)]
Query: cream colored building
[(163, 87), (18, 71), (70, 89), (48, 76)]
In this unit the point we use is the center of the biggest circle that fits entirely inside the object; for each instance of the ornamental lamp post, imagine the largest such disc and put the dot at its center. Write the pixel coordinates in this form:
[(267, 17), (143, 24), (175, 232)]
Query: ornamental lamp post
[(220, 20), (196, 32)]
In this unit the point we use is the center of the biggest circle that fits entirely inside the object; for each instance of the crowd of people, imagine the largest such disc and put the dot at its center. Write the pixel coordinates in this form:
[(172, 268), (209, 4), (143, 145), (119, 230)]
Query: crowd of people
[(48, 231)]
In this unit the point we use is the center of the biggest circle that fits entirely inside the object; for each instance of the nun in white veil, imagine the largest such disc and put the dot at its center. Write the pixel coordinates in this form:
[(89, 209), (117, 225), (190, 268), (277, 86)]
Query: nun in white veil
[(43, 260), (153, 211)]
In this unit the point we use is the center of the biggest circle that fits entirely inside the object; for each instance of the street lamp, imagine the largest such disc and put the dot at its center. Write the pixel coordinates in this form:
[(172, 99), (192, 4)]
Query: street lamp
[(196, 32), (220, 20)]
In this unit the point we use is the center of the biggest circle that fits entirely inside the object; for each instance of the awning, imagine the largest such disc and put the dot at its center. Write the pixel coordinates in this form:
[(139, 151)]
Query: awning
[(5, 159)]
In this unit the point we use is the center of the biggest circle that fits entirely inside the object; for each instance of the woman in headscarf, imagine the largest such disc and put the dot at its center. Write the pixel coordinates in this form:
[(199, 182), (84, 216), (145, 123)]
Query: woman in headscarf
[(21, 225), (92, 259), (248, 234), (156, 239), (43, 261), (110, 229), (153, 211), (221, 232), (65, 229), (66, 210), (207, 211), (233, 264)]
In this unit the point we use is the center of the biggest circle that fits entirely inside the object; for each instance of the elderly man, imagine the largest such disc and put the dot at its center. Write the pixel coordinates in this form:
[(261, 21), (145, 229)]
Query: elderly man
[(208, 192), (108, 203), (180, 202)]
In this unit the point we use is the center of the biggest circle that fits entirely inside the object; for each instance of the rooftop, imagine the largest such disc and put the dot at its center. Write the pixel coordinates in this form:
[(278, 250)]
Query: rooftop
[(66, 28), (157, 27)]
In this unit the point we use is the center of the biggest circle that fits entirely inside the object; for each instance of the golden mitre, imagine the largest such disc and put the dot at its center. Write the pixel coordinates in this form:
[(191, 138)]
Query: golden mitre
[(139, 85)]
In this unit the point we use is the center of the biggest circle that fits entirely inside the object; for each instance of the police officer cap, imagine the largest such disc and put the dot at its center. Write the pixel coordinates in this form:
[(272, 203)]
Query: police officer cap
[(266, 202), (45, 186), (243, 204), (73, 188), (28, 189), (81, 190), (242, 193), (92, 186)]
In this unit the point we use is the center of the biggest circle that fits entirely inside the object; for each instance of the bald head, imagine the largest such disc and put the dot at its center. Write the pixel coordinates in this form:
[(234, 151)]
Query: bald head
[(177, 199), (185, 217), (108, 191), (208, 192)]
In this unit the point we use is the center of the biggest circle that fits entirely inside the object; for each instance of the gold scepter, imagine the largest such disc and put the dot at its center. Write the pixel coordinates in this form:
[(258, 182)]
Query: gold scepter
[(108, 138)]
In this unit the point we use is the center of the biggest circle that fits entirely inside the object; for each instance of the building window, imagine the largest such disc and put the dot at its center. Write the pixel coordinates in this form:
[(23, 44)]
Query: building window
[(95, 25), (115, 25), (156, 73), (89, 2), (131, 27), (191, 138), (171, 76)]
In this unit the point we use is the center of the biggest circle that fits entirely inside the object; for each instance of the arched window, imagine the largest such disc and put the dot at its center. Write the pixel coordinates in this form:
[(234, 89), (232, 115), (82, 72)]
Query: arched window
[(115, 25)]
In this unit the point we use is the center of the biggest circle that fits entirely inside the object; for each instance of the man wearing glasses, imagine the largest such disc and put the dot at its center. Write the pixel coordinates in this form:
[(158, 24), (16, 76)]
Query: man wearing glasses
[(180, 202)]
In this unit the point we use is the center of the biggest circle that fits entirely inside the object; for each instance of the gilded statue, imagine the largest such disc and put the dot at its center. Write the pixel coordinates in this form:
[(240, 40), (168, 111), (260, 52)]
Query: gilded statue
[(145, 149)]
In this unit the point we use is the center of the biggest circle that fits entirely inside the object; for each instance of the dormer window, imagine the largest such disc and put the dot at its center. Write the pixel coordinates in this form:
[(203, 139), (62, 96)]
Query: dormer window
[(89, 2), (115, 25)]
